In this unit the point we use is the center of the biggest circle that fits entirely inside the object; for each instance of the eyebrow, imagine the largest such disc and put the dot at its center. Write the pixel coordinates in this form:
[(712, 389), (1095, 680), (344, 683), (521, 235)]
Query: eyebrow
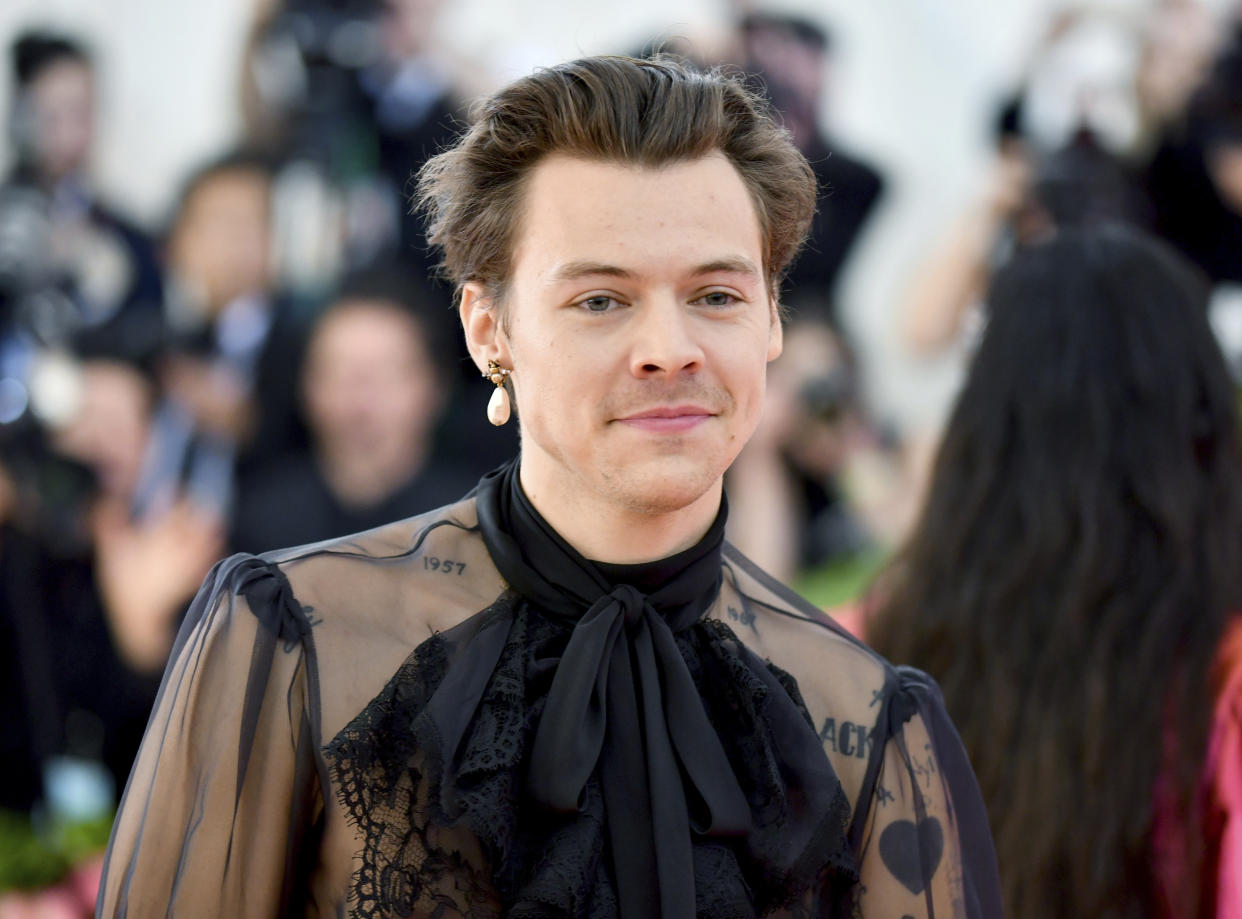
[(730, 265), (576, 270), (573, 271)]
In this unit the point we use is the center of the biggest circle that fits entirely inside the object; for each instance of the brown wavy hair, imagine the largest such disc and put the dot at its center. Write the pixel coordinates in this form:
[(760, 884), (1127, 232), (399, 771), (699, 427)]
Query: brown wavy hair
[(1077, 560), (649, 113)]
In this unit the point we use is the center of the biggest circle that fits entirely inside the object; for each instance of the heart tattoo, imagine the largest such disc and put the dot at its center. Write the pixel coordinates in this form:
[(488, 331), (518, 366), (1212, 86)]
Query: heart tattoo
[(912, 853)]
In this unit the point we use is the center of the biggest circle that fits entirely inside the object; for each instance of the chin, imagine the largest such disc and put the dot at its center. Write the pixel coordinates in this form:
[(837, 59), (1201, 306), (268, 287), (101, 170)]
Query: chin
[(664, 490)]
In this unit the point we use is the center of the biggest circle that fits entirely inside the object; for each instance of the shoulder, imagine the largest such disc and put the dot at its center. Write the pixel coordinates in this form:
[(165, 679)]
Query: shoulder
[(400, 538), (845, 683), (408, 578), (856, 700), (791, 627)]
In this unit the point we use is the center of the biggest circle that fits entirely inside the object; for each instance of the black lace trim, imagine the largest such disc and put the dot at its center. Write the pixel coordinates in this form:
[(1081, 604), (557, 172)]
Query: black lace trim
[(475, 845)]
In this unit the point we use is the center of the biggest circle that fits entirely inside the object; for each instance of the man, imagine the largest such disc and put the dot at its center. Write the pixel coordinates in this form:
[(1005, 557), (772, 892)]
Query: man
[(373, 385), (74, 272), (232, 360), (565, 695), (793, 56)]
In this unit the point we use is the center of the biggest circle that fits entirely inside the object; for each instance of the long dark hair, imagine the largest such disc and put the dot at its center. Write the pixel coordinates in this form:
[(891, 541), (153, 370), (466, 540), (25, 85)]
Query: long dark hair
[(1078, 557)]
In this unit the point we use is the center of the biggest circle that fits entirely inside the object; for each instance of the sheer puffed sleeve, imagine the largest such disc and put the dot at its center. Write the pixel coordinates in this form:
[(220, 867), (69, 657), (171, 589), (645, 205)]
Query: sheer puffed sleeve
[(918, 831), (925, 849), (223, 809)]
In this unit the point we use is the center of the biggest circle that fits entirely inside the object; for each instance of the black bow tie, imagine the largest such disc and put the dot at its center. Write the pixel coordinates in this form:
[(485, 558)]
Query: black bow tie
[(623, 700)]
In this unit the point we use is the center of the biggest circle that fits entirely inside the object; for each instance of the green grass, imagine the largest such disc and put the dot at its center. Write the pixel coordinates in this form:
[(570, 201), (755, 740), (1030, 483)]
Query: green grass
[(31, 859), (840, 582)]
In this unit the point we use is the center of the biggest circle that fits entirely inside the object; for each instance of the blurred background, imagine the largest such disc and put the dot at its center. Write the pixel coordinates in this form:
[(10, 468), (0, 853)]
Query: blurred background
[(218, 331)]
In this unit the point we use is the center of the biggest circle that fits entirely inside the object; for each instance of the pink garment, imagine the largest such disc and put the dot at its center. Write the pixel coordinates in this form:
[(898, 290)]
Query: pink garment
[(1221, 798), (1224, 771), (851, 617), (72, 898)]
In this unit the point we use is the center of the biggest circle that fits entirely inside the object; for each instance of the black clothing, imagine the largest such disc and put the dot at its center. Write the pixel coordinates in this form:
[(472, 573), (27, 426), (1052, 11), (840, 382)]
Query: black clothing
[(278, 427), (100, 296), (1189, 211), (849, 190), (64, 691), (288, 502), (457, 715)]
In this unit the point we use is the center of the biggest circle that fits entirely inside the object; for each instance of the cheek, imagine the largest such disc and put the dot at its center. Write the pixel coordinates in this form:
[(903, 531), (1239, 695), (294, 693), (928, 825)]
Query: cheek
[(548, 400), (545, 379), (753, 412), (749, 380)]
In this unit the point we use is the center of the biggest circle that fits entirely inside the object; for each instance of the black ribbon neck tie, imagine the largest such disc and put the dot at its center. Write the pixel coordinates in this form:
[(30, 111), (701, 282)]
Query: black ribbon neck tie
[(623, 700), (643, 723)]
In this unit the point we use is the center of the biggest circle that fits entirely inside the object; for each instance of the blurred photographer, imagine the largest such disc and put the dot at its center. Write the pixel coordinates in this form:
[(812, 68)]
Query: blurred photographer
[(374, 386), (791, 56), (88, 611), (1196, 173), (351, 97), (72, 269), (231, 356), (1064, 147), (816, 485)]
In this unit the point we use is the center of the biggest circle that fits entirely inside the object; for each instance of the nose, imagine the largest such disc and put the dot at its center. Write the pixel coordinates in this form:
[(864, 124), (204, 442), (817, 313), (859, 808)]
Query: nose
[(665, 343)]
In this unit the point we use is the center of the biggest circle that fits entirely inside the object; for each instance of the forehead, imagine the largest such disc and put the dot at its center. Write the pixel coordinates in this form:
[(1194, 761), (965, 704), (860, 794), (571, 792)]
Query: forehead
[(228, 189), (367, 325), (653, 223), (61, 75)]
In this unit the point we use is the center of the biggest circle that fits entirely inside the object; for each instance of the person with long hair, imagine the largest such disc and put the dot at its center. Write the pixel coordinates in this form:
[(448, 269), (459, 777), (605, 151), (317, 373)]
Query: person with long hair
[(1074, 577)]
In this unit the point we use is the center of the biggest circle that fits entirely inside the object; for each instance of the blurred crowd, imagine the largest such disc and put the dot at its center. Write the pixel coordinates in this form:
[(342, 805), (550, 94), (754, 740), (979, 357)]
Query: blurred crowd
[(276, 364)]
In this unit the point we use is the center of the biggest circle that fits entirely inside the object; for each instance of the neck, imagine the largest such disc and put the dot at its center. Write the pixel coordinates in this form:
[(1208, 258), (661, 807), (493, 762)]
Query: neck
[(604, 531)]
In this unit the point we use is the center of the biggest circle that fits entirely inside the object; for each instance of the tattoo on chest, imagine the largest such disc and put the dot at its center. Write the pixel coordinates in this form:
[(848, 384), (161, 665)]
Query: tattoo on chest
[(443, 565), (745, 617)]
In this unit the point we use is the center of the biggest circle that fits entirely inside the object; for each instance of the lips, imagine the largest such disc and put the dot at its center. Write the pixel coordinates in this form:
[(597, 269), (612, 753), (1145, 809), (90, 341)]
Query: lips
[(668, 419)]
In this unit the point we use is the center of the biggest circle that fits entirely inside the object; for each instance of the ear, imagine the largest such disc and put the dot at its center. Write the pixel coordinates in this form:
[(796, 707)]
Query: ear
[(480, 320), (776, 332)]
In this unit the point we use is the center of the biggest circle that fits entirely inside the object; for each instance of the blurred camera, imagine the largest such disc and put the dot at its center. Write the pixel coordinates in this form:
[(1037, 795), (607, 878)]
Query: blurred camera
[(827, 397)]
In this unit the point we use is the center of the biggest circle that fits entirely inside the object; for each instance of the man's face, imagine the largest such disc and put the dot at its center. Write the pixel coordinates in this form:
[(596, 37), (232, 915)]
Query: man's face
[(638, 325), (220, 244), (63, 112), (370, 385)]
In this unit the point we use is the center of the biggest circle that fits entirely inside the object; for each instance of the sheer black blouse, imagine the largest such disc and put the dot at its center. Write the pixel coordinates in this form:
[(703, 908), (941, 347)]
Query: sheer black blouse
[(457, 715)]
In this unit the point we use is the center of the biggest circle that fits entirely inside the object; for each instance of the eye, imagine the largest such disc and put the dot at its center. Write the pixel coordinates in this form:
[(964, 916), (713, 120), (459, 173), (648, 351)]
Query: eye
[(598, 304), (718, 299)]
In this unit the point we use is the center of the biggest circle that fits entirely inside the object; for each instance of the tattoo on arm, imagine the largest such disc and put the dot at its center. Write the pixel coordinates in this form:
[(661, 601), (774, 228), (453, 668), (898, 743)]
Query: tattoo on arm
[(847, 738), (911, 852)]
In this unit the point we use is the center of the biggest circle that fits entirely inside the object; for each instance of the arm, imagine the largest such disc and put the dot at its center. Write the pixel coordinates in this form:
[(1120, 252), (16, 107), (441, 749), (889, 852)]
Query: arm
[(146, 571), (956, 275), (223, 799), (926, 849)]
